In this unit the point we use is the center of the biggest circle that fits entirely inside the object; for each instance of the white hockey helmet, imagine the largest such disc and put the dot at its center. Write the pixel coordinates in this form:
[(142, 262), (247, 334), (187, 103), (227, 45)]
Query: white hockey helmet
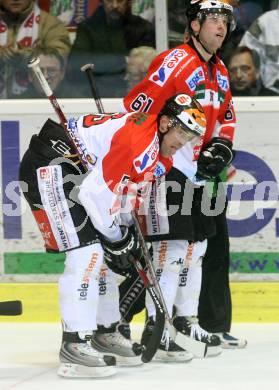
[(199, 9), (186, 112)]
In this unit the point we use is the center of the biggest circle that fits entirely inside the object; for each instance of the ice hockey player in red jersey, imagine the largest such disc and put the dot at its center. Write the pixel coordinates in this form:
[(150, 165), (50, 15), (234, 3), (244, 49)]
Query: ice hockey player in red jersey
[(195, 66), (80, 213)]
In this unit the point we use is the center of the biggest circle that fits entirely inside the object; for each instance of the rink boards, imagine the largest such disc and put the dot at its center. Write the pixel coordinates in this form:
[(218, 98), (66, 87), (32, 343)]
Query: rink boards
[(252, 302)]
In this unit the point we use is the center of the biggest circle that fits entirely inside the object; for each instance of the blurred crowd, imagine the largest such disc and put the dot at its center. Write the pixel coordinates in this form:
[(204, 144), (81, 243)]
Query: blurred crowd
[(118, 37)]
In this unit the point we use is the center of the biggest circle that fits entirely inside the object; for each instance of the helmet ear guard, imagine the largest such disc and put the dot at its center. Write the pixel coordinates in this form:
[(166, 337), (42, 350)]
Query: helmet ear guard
[(186, 112)]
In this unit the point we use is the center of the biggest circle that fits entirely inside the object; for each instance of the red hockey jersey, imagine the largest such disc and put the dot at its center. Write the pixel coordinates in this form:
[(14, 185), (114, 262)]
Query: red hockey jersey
[(182, 70)]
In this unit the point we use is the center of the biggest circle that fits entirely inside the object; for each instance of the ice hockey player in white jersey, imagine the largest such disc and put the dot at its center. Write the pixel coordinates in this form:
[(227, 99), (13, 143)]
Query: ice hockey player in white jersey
[(79, 213)]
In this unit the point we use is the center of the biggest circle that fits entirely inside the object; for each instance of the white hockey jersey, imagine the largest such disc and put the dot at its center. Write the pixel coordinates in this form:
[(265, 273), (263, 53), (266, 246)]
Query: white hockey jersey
[(124, 150)]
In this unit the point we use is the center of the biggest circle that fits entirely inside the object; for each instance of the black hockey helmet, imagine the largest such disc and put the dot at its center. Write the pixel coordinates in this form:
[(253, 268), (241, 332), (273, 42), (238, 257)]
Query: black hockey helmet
[(186, 112)]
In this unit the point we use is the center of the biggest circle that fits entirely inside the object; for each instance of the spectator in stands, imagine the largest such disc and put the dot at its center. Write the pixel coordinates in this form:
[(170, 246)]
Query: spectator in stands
[(263, 36), (176, 21), (137, 64), (145, 9), (105, 38), (53, 66), (244, 68), (245, 13), (176, 17), (24, 26)]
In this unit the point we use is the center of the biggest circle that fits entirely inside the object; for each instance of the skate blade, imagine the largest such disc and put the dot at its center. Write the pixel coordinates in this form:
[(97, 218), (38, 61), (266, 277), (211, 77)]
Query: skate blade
[(232, 345), (70, 370)]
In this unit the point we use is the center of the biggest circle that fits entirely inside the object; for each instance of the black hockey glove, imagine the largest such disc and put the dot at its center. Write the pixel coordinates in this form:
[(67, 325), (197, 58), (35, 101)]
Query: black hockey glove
[(214, 158), (120, 254)]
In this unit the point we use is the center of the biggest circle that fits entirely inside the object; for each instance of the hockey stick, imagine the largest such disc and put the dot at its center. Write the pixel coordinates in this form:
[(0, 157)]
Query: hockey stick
[(84, 156), (155, 339), (88, 69), (10, 308), (198, 348), (34, 65), (150, 285)]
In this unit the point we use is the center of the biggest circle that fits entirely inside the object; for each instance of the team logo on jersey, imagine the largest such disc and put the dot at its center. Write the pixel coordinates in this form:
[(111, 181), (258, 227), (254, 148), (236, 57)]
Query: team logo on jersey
[(148, 156), (223, 81), (138, 118), (169, 64), (195, 78)]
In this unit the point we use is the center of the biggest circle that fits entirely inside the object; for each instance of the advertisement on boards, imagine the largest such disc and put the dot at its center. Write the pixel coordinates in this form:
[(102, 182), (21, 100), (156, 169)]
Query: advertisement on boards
[(253, 217)]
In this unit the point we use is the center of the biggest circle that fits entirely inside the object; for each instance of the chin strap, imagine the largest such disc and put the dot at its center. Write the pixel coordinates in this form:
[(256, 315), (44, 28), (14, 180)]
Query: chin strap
[(203, 46)]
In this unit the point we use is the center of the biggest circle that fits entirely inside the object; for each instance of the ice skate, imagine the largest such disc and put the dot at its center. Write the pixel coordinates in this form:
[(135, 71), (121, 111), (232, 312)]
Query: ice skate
[(124, 328), (111, 341), (189, 325), (230, 342), (78, 359), (168, 351)]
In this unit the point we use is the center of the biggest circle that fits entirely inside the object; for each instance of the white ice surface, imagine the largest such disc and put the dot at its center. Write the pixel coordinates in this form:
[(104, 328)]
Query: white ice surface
[(29, 360)]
